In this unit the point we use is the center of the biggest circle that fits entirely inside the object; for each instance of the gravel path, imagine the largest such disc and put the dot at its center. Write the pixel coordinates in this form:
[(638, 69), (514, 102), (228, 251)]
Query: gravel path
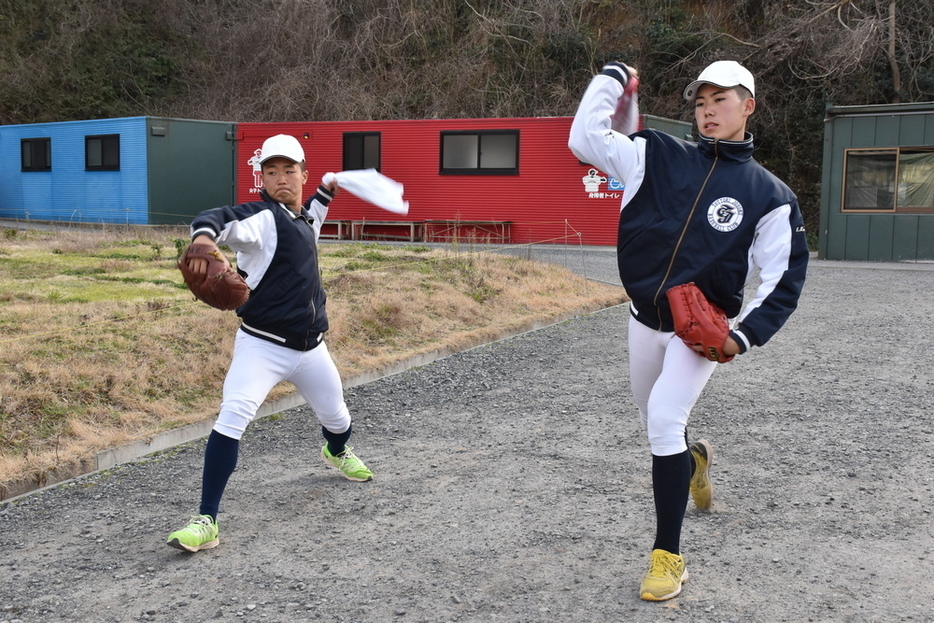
[(512, 484)]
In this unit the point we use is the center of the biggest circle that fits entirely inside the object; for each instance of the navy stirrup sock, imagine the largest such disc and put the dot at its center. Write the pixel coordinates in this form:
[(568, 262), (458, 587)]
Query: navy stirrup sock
[(671, 482), (220, 459), (337, 442), (690, 454)]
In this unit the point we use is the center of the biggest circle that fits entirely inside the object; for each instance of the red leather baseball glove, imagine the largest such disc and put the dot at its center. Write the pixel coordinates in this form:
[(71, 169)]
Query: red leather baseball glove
[(211, 278), (698, 321)]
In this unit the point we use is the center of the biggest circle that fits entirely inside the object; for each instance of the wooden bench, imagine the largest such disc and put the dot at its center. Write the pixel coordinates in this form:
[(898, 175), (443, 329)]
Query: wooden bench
[(382, 230), (338, 230), (448, 230)]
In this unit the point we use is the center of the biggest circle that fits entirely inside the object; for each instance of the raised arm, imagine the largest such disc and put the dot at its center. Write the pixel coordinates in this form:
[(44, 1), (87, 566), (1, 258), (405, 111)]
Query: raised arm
[(593, 139)]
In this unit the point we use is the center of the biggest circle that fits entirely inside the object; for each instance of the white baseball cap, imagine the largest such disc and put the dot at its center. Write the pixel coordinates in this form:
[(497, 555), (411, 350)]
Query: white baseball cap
[(725, 74), (282, 146)]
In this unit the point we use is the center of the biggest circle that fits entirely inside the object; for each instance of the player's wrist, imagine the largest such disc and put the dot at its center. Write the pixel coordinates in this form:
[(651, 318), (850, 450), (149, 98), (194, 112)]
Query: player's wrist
[(204, 239), (740, 340), (618, 71)]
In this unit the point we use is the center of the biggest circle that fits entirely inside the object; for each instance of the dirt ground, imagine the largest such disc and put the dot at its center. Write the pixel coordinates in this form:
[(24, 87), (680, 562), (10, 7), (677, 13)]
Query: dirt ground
[(512, 484)]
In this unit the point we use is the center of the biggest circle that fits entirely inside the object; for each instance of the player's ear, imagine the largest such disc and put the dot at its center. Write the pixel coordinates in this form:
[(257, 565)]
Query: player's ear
[(749, 106)]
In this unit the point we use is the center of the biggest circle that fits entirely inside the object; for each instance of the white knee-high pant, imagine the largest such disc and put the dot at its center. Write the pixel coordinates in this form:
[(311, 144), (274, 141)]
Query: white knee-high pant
[(257, 366), (667, 378)]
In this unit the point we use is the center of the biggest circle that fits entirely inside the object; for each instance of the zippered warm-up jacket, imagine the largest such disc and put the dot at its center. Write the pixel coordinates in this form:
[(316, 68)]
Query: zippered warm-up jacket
[(705, 212), (277, 255)]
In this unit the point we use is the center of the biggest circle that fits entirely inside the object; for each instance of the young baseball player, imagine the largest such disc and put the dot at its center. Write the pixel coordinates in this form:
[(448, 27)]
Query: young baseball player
[(281, 336), (706, 213)]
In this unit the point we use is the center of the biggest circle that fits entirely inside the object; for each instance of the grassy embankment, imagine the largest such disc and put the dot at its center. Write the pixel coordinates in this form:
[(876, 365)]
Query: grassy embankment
[(101, 344)]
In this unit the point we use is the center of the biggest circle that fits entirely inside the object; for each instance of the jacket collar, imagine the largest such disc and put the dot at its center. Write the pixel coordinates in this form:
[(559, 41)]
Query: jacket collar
[(731, 151), (304, 213)]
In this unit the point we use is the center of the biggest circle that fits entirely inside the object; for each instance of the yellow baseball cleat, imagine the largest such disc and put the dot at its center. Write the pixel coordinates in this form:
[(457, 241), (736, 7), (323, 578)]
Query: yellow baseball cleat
[(666, 574), (701, 486)]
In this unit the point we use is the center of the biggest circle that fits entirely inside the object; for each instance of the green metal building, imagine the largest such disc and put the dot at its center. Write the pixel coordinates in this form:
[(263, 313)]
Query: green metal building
[(877, 192), (190, 168)]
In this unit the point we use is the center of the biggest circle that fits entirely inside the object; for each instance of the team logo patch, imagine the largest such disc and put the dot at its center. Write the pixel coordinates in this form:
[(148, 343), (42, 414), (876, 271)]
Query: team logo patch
[(725, 214)]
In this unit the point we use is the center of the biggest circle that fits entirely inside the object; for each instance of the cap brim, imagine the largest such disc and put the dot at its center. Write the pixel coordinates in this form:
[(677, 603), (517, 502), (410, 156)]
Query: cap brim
[(267, 158), (690, 92)]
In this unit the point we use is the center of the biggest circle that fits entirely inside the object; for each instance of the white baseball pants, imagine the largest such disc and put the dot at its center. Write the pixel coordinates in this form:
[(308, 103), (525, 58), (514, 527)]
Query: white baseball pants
[(667, 378), (257, 366)]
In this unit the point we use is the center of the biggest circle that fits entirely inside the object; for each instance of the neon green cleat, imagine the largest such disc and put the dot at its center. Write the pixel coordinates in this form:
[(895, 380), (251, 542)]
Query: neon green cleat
[(200, 533), (348, 464), (666, 574), (701, 486)]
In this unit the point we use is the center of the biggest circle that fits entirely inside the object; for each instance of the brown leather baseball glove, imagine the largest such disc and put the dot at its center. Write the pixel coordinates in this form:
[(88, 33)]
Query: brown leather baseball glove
[(698, 321), (211, 278)]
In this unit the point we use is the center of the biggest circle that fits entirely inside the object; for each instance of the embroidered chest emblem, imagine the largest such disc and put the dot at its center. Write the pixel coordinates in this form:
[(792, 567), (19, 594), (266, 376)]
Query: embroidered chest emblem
[(725, 214)]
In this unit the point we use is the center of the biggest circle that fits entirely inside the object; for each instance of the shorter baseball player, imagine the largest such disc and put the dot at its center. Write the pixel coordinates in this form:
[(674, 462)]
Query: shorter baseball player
[(705, 213), (281, 336)]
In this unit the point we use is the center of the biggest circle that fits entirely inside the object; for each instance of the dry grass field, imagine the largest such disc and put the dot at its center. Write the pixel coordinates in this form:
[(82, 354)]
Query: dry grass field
[(101, 344)]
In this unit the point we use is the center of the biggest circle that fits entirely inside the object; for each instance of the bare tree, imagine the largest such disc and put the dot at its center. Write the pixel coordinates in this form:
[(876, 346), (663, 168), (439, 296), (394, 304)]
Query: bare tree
[(855, 43)]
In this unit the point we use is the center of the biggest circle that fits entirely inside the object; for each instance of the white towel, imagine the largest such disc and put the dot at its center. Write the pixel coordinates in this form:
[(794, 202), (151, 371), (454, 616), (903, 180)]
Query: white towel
[(372, 186), (625, 119)]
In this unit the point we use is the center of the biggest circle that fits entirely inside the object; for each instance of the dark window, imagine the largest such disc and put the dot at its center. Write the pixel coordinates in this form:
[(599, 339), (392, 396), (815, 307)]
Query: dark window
[(494, 152), (36, 154), (102, 153), (361, 150), (889, 180)]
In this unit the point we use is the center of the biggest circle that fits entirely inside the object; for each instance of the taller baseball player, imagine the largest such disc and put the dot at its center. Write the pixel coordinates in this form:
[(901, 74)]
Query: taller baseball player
[(702, 212), (281, 337)]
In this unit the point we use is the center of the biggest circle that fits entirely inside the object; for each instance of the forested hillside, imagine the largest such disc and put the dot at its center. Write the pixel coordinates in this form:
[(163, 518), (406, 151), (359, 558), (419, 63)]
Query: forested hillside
[(284, 60)]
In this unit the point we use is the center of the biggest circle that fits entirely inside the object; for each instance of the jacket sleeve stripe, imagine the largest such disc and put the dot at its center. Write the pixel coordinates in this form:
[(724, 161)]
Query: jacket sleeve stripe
[(780, 250)]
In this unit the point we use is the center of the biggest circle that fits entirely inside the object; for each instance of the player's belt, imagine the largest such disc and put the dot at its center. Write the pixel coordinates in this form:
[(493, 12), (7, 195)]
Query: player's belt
[(309, 342)]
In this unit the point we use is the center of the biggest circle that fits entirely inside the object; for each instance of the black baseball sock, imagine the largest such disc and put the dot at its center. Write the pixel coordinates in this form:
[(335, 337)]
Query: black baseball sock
[(220, 459), (690, 454), (337, 442), (671, 480)]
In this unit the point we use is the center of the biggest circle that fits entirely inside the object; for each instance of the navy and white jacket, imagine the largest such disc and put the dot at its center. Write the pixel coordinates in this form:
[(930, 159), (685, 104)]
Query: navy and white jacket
[(705, 212), (277, 255)]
